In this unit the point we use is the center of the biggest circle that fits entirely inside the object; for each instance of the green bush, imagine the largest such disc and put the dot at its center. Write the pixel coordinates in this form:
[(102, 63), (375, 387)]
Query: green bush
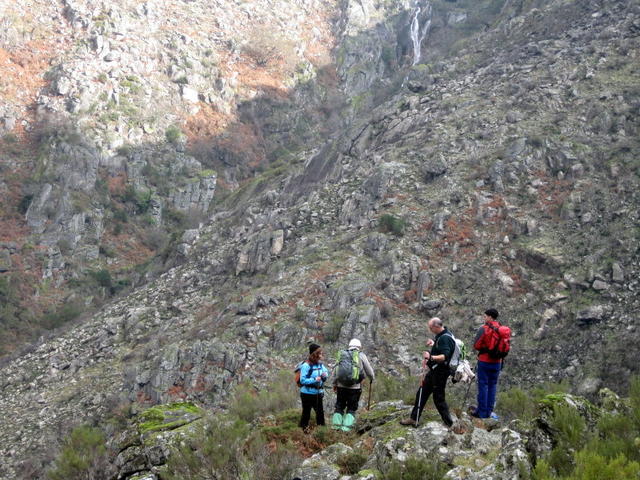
[(392, 387), (591, 466), (173, 134), (226, 449), (120, 215), (351, 463), (332, 327), (249, 403), (214, 450), (570, 425), (390, 224), (610, 451), (25, 203), (517, 403), (84, 455), (415, 469), (67, 312), (102, 278)]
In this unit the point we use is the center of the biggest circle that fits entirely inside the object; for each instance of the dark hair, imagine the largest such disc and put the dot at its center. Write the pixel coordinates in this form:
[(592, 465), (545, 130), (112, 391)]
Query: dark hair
[(314, 356), (313, 347), (493, 313)]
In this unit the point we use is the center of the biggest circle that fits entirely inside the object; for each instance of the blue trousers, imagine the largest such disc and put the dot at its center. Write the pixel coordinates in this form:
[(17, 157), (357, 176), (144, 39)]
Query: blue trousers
[(488, 374)]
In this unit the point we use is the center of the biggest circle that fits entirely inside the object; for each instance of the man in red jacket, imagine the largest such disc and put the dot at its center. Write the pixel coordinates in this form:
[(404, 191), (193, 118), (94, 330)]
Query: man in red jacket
[(488, 367)]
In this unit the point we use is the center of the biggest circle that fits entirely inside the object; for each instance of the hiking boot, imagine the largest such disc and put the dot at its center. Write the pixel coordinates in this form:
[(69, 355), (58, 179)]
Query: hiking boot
[(457, 428), (407, 421), (347, 422), (336, 421), (493, 416)]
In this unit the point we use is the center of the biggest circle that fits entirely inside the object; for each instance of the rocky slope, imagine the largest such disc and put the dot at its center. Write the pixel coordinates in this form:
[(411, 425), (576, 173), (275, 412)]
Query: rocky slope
[(501, 170)]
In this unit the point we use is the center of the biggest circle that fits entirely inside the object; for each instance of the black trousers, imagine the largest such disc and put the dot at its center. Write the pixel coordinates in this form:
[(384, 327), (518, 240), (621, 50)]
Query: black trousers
[(434, 383), (348, 398), (311, 401)]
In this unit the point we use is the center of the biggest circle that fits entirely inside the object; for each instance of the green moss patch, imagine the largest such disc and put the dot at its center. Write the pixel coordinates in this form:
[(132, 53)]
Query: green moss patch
[(168, 417)]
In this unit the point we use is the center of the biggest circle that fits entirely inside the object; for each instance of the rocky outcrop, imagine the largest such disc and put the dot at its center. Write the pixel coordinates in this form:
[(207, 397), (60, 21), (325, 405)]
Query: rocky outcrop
[(506, 180)]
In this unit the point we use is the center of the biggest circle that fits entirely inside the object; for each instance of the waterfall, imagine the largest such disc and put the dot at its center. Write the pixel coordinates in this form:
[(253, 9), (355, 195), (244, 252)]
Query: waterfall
[(419, 33)]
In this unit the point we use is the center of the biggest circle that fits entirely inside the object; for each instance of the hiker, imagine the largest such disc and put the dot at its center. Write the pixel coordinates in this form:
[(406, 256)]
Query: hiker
[(435, 380), (313, 374), (488, 367), (349, 390)]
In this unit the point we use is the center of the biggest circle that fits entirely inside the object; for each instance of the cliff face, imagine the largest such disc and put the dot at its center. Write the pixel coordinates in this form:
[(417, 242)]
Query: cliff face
[(361, 194)]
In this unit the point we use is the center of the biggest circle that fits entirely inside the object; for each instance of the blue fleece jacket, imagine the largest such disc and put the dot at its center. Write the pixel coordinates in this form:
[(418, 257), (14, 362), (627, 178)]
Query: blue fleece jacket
[(308, 379)]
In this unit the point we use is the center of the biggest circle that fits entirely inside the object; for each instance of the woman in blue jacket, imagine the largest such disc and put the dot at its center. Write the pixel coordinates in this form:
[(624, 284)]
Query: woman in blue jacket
[(313, 374)]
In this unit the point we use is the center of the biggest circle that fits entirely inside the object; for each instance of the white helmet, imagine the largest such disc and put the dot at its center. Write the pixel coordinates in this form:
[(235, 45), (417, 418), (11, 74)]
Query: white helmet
[(355, 343)]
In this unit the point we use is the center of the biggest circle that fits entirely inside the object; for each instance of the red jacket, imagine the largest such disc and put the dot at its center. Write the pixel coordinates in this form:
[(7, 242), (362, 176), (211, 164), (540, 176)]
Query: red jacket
[(482, 341)]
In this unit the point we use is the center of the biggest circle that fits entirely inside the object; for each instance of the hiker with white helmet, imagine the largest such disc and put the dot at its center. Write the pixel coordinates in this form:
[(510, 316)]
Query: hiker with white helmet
[(350, 371)]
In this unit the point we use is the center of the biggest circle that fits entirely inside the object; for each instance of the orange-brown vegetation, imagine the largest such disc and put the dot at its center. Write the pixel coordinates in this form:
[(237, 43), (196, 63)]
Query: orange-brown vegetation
[(552, 194), (117, 184), (206, 124), (177, 392), (130, 250), (410, 295), (23, 74)]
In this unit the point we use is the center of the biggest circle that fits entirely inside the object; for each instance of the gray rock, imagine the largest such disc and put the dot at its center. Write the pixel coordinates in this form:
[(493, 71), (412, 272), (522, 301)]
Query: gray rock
[(5, 261), (593, 314), (617, 273), (600, 285), (431, 305)]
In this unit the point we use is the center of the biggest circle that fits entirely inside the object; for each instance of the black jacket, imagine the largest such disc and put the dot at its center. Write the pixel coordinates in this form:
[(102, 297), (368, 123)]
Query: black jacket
[(443, 345)]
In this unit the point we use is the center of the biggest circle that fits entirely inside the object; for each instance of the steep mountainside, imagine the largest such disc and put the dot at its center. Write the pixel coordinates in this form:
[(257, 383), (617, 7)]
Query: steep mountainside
[(364, 195)]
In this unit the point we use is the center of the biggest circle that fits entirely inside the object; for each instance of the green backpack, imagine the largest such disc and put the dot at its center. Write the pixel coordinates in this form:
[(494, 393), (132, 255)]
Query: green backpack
[(348, 371)]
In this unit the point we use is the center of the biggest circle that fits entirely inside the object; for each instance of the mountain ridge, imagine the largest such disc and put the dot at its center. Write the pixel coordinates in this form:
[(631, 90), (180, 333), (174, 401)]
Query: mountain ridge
[(487, 184)]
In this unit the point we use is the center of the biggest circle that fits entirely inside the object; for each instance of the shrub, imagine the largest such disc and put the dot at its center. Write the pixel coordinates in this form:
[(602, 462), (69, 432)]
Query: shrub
[(173, 134), (120, 215), (392, 387), (333, 327), (516, 403), (300, 314), (102, 278), (591, 466), (390, 224), (351, 463), (414, 469), (84, 455), (60, 316), (225, 449), (249, 403), (213, 451), (25, 203), (266, 46), (569, 424), (155, 238)]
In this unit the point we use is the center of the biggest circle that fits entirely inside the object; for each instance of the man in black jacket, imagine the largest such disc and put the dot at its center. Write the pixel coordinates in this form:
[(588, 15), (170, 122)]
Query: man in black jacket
[(435, 380)]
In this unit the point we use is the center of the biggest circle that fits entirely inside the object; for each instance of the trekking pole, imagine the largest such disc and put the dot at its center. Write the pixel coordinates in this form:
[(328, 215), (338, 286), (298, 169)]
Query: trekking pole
[(370, 388), (420, 396)]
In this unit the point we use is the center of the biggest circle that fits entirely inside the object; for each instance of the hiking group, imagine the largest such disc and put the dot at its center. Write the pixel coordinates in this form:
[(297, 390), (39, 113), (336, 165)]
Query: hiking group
[(352, 367), (445, 358), (492, 342)]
